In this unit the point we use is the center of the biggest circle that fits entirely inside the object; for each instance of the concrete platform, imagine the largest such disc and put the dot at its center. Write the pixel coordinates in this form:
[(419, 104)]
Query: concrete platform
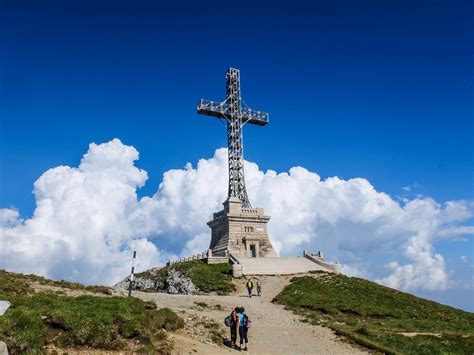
[(278, 266)]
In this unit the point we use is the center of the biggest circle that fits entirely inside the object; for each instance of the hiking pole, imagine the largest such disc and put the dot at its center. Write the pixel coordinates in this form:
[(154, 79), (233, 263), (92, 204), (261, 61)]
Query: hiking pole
[(133, 270)]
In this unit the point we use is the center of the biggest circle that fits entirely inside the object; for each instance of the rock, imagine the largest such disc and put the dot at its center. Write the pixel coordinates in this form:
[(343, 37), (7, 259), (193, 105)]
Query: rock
[(4, 305), (176, 282), (139, 283), (122, 285), (3, 348)]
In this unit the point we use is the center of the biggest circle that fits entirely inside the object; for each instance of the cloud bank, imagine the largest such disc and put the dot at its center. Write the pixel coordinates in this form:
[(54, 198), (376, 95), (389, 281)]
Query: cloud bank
[(88, 217)]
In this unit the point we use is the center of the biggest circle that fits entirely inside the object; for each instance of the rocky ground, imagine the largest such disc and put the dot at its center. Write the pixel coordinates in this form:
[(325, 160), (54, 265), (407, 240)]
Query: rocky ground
[(274, 330), (176, 283)]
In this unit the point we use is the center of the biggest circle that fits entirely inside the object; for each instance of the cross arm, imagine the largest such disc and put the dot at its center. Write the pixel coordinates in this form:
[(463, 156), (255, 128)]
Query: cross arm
[(221, 110)]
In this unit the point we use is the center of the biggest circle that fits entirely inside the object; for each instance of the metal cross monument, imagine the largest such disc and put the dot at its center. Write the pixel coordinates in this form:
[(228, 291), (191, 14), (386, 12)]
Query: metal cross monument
[(234, 110)]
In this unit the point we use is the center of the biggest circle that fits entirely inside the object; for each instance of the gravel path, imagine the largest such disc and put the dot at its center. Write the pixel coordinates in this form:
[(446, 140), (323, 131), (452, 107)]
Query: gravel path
[(274, 330)]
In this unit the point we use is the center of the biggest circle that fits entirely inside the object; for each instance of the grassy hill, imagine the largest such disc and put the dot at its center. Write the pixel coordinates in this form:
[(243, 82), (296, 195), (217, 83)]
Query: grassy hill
[(47, 315), (206, 277), (378, 317)]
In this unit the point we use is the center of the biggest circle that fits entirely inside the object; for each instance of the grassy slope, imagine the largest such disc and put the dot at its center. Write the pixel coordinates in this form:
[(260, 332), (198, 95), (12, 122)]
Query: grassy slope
[(41, 319), (374, 316), (207, 277), (4, 275)]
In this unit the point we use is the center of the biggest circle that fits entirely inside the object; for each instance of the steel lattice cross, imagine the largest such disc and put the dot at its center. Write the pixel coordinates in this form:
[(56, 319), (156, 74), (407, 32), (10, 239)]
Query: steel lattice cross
[(236, 114)]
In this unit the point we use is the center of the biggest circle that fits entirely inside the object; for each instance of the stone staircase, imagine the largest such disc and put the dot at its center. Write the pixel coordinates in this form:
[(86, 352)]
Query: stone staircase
[(278, 266)]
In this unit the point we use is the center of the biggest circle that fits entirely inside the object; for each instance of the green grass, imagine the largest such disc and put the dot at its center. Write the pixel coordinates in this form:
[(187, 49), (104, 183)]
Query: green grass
[(38, 319), (216, 334), (206, 277), (374, 316), (10, 278), (204, 305)]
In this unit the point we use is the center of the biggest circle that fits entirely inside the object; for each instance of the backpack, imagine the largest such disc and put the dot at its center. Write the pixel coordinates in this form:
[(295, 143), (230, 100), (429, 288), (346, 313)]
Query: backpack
[(227, 321), (246, 323)]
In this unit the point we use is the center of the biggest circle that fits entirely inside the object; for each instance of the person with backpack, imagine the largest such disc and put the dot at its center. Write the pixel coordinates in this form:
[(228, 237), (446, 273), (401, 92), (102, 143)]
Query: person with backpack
[(244, 325), (249, 286), (234, 325)]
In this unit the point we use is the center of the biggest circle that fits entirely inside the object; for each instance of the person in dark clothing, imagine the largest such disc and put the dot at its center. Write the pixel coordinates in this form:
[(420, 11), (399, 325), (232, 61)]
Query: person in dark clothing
[(249, 286), (243, 328), (259, 288), (234, 325)]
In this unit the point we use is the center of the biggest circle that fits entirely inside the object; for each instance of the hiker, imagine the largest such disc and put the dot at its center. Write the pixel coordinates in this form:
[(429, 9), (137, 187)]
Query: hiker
[(249, 286), (259, 288), (234, 325), (244, 324)]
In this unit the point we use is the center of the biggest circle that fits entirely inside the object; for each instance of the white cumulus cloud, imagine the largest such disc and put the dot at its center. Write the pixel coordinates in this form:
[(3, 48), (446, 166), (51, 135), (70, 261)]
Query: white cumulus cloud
[(80, 228), (87, 217)]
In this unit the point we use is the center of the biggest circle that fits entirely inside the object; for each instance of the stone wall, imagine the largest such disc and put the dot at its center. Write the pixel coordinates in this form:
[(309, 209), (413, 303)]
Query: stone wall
[(239, 231), (217, 260), (322, 262)]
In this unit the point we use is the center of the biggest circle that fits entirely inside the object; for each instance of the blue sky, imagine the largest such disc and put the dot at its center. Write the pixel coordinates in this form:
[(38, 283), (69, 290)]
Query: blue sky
[(380, 90)]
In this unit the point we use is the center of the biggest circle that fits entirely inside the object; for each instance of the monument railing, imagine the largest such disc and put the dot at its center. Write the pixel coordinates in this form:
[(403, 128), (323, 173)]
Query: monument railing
[(320, 260), (206, 255), (233, 259), (199, 256)]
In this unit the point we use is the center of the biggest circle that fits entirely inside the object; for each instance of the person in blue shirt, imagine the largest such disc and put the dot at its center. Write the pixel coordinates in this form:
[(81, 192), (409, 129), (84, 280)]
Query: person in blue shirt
[(243, 328)]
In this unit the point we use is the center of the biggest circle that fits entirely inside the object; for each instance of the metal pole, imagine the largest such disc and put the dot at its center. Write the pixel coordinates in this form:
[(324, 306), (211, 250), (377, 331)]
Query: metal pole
[(133, 271)]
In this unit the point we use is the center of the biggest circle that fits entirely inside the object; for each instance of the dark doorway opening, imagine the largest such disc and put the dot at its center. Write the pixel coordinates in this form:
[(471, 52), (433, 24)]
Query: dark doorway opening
[(253, 253)]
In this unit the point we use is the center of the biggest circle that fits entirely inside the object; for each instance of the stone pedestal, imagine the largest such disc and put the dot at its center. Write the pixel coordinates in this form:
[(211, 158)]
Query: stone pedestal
[(240, 231)]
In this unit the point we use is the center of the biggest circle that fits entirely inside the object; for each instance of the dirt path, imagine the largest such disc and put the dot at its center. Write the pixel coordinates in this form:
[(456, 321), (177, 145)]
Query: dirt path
[(274, 330)]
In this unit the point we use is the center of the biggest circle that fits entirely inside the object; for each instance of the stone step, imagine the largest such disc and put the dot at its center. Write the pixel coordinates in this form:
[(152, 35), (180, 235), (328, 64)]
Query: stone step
[(277, 266)]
